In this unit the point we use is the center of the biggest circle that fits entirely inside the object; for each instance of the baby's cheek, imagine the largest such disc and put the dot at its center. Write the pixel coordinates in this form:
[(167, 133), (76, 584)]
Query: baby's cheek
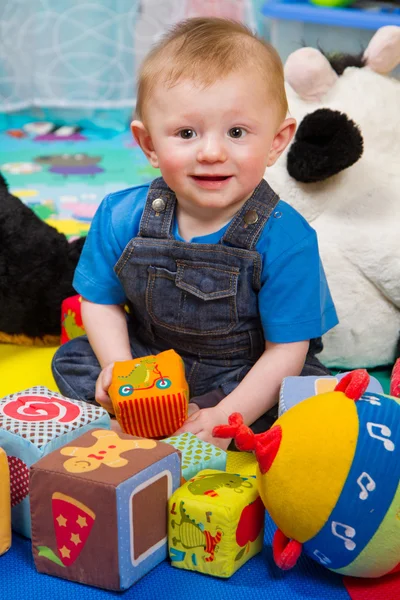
[(253, 169), (172, 166)]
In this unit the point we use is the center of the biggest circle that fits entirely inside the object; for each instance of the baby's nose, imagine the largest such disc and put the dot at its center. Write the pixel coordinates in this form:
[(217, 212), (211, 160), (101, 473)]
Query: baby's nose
[(212, 150)]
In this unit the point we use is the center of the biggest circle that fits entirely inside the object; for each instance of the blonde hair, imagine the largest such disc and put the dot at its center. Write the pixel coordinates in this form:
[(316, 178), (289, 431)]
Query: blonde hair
[(205, 50)]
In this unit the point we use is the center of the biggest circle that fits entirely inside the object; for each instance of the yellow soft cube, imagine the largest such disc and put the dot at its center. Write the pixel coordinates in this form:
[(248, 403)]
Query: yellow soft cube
[(215, 523), (150, 394), (5, 504)]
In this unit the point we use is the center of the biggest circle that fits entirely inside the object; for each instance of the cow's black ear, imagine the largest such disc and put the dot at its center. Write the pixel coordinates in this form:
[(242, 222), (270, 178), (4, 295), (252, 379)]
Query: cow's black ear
[(326, 142)]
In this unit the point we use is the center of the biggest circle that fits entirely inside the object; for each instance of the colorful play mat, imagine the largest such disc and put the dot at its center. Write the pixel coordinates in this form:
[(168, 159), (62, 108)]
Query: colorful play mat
[(63, 172), (257, 579)]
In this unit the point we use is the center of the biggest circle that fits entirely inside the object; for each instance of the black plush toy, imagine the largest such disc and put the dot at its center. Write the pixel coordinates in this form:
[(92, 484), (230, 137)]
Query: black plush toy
[(37, 264)]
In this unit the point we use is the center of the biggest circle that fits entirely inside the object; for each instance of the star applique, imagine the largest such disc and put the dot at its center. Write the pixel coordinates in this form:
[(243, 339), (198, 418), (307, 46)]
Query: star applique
[(75, 539), (62, 521), (65, 552), (81, 521)]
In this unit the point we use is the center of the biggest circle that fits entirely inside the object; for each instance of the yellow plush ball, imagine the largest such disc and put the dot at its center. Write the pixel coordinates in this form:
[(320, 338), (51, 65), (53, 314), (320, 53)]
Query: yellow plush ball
[(328, 474)]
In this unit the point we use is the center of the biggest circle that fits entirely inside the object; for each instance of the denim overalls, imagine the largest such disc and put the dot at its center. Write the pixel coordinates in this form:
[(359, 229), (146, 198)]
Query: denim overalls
[(200, 299)]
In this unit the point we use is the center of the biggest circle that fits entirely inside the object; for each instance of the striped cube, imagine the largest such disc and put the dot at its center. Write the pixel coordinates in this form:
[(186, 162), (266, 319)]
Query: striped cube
[(150, 394)]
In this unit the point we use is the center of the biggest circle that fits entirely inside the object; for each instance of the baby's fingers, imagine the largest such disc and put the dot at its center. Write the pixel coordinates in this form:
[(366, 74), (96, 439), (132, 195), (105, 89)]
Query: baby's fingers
[(101, 392), (104, 399), (191, 425)]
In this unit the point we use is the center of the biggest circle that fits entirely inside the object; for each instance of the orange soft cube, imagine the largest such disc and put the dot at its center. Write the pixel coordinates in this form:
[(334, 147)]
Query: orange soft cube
[(150, 394)]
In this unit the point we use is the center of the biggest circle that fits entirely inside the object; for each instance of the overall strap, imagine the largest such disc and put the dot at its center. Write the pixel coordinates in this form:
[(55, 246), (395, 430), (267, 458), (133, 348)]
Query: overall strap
[(247, 225), (158, 212)]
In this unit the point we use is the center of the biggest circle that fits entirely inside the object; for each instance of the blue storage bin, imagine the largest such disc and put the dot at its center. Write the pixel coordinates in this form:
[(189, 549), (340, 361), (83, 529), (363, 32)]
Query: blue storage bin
[(297, 23)]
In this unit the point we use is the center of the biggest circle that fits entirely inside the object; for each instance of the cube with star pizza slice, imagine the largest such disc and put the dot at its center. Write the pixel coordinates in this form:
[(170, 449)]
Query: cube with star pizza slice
[(99, 508)]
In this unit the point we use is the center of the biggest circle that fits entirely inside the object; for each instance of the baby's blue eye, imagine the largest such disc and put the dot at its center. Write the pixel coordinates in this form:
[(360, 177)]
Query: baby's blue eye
[(187, 134), (237, 132)]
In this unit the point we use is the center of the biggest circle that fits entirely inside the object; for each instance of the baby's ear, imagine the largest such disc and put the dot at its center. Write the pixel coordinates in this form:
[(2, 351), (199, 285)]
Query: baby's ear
[(282, 139), (143, 138)]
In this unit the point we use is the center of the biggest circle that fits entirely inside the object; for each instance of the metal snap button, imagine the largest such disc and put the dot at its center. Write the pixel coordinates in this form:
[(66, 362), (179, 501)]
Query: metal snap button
[(158, 205), (250, 217), (206, 285)]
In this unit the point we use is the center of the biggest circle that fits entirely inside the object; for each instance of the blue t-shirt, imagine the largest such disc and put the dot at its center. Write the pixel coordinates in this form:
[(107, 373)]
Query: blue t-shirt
[(294, 300)]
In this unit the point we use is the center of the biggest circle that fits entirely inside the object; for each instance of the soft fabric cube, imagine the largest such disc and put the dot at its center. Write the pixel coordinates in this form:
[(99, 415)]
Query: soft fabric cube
[(99, 508), (150, 394), (71, 318), (197, 455), (215, 523), (32, 424), (5, 506), (295, 389)]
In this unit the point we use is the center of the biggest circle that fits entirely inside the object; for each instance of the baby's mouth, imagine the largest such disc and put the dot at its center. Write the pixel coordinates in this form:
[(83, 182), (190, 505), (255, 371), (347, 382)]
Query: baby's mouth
[(211, 177)]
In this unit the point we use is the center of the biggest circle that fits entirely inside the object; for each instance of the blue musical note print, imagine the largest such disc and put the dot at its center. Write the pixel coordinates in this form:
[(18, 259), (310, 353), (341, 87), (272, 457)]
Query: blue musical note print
[(369, 488)]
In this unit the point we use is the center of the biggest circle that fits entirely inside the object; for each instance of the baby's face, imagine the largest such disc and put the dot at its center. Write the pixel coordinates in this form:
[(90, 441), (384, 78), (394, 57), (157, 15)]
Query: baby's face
[(213, 144)]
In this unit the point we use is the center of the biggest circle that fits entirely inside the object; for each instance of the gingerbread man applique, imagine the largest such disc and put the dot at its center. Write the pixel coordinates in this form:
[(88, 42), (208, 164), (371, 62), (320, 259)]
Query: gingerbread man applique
[(105, 451)]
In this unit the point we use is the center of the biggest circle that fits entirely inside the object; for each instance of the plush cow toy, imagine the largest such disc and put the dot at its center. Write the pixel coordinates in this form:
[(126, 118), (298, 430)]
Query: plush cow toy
[(342, 173)]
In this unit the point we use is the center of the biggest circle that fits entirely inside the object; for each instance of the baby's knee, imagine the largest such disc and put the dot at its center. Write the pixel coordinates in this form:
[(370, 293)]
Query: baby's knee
[(75, 369), (76, 351)]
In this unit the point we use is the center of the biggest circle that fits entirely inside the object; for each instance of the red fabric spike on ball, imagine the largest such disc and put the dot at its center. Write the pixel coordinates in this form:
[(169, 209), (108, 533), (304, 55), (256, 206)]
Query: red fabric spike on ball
[(286, 552), (243, 436), (354, 384), (266, 445), (395, 380)]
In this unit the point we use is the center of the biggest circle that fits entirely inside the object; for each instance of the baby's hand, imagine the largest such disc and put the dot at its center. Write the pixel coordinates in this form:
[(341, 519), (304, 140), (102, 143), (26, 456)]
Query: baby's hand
[(102, 384), (202, 422)]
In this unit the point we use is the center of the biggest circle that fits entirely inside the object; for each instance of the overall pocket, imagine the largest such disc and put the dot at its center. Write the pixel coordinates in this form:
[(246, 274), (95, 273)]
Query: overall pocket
[(197, 298)]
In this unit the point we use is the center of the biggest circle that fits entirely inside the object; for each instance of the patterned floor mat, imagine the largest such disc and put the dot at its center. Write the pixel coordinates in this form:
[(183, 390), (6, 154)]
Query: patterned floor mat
[(64, 172)]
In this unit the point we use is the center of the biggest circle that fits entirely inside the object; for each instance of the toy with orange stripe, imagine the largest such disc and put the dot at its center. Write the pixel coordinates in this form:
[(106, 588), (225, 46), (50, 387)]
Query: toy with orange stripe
[(329, 476), (150, 394)]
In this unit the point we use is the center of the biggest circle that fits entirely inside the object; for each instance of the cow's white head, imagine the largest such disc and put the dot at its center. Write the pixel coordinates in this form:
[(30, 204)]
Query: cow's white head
[(342, 172)]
